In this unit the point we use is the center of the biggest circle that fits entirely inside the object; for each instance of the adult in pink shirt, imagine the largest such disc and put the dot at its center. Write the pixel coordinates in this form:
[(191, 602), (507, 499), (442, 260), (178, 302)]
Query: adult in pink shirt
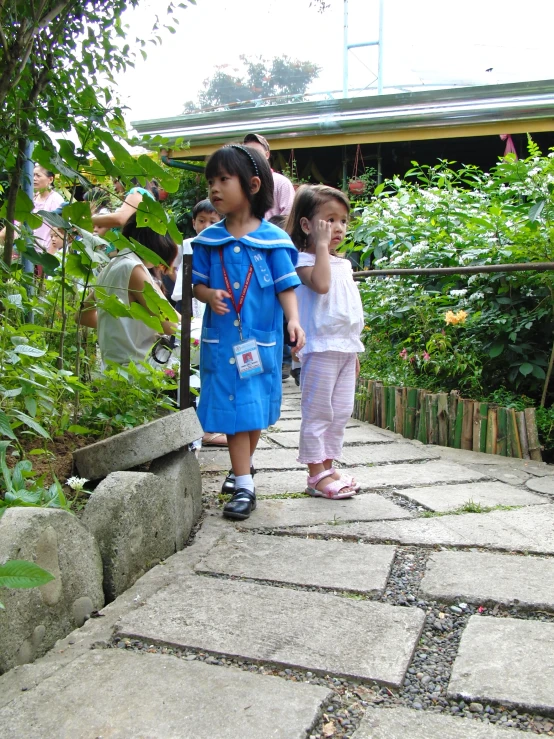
[(283, 191)]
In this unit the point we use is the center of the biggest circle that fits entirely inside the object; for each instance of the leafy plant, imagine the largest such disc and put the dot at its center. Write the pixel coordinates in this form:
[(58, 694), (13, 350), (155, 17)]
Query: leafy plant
[(18, 573)]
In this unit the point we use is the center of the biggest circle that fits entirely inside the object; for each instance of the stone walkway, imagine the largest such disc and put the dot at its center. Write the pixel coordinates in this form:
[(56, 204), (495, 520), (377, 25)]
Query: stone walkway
[(423, 608)]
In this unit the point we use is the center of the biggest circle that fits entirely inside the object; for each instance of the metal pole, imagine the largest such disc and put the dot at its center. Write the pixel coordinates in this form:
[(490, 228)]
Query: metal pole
[(345, 53), (186, 316), (380, 52), (27, 186), (475, 270)]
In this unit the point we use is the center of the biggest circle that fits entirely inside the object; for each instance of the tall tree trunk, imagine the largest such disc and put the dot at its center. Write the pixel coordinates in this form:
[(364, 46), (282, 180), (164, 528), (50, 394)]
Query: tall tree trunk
[(15, 182)]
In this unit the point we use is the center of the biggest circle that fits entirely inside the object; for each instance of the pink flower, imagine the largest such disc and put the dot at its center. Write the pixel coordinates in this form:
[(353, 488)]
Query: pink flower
[(404, 354), (195, 342), (426, 356), (169, 372)]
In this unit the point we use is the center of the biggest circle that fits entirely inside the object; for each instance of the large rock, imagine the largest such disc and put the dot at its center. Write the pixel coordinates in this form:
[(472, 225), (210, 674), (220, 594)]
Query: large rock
[(132, 517), (139, 445), (179, 473), (35, 619)]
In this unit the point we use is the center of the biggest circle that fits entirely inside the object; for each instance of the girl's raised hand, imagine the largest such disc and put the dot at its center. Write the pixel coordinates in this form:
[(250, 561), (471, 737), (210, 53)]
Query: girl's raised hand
[(217, 302), (322, 234), (296, 334)]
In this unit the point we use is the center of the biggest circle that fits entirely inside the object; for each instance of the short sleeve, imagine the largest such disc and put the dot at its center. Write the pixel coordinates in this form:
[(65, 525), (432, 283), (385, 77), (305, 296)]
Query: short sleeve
[(282, 270), (305, 260), (200, 265)]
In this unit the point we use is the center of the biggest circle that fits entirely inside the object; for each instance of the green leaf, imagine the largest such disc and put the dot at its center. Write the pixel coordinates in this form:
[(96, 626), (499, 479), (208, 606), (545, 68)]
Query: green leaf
[(30, 351), (536, 210), (111, 304), (31, 405), (79, 215), (31, 423), (151, 214), (526, 368), (76, 429), (154, 171), (158, 305), (174, 232), (140, 313), (48, 261), (5, 427), (18, 573), (496, 350), (379, 189), (147, 255), (23, 210)]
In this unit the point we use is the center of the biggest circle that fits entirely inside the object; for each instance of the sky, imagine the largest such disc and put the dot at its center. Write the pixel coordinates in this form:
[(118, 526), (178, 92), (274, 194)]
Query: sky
[(425, 43)]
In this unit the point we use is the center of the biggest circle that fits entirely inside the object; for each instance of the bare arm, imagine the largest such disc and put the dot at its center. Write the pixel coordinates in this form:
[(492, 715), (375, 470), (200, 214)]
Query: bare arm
[(288, 301), (214, 298), (318, 277), (122, 215), (89, 315), (136, 289)]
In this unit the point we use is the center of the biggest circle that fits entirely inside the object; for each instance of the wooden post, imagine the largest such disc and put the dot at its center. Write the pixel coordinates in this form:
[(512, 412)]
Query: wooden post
[(411, 410), (422, 430), (522, 429), (398, 411), (370, 408), (532, 435), (378, 400), (452, 411), (458, 427), (514, 448), (392, 408), (502, 436), (432, 419), (442, 413), (476, 427), (467, 424), (483, 408), (490, 447)]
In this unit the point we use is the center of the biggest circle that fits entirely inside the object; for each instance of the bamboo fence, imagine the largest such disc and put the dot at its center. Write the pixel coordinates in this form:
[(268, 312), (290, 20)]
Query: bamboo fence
[(448, 420)]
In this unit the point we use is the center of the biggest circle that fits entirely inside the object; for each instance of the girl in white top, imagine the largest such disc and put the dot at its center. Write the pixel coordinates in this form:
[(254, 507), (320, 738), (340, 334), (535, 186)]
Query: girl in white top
[(331, 313)]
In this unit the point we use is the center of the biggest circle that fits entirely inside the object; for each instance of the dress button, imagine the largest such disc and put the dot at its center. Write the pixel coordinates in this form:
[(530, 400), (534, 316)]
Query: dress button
[(232, 360), (236, 322), (236, 249), (231, 397), (236, 285)]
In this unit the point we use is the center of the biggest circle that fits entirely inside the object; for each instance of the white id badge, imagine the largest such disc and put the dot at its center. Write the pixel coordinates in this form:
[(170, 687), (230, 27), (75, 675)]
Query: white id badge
[(248, 360)]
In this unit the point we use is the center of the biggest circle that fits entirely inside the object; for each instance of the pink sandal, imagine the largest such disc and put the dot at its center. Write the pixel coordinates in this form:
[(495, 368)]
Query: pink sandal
[(333, 490), (349, 480)]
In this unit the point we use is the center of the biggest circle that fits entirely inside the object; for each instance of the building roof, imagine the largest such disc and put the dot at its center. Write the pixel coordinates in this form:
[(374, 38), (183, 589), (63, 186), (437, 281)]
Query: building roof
[(455, 112)]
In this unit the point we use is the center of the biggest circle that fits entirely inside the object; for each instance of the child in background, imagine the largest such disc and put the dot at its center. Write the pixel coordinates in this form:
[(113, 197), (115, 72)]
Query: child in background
[(203, 215), (331, 312), (57, 235), (243, 269)]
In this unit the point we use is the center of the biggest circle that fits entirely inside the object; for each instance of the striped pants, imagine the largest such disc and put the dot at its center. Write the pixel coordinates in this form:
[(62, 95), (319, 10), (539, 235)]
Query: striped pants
[(328, 383)]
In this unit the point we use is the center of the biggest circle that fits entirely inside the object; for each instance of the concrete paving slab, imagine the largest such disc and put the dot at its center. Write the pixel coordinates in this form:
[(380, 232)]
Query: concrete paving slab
[(284, 512), (264, 459), (277, 483), (160, 696), (314, 631), (360, 568), (506, 660), (385, 453), (489, 493), (291, 439), (524, 530), (481, 578), (541, 485), (290, 413), (503, 473), (412, 475), (405, 723)]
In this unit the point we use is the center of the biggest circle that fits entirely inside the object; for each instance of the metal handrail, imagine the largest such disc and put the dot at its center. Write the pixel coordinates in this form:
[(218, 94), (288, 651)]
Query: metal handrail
[(471, 270)]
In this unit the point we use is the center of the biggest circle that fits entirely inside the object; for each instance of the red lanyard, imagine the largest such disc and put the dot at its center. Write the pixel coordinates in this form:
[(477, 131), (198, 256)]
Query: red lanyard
[(236, 306)]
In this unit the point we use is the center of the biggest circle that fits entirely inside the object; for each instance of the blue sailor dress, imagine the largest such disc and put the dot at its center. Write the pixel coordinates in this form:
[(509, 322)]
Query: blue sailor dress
[(228, 403)]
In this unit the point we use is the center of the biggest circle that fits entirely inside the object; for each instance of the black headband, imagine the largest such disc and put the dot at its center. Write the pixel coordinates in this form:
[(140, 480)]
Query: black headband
[(248, 154)]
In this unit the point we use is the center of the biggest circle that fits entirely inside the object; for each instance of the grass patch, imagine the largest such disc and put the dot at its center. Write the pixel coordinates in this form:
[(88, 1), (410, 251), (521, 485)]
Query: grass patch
[(469, 507)]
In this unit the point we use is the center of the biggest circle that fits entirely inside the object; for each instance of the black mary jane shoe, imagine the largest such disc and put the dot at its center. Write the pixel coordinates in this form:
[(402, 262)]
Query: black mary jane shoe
[(228, 487), (241, 505)]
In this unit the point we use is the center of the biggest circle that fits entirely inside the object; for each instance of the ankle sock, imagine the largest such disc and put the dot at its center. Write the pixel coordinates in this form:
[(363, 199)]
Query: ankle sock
[(244, 481), (252, 461)]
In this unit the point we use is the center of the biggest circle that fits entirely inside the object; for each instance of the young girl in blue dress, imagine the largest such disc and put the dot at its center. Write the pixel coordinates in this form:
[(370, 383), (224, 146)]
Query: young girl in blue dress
[(243, 269)]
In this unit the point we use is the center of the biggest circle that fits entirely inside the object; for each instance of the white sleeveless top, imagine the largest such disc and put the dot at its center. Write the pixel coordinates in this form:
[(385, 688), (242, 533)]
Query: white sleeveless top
[(334, 321), (122, 340)]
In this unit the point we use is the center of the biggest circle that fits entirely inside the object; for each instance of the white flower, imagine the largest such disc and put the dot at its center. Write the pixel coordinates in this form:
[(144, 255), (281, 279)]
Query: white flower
[(77, 483), (476, 296), (458, 293)]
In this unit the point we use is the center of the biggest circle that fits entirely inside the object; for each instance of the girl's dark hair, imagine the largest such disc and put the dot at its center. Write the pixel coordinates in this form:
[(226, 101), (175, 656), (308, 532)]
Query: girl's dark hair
[(204, 206), (243, 162), (163, 246), (306, 202)]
